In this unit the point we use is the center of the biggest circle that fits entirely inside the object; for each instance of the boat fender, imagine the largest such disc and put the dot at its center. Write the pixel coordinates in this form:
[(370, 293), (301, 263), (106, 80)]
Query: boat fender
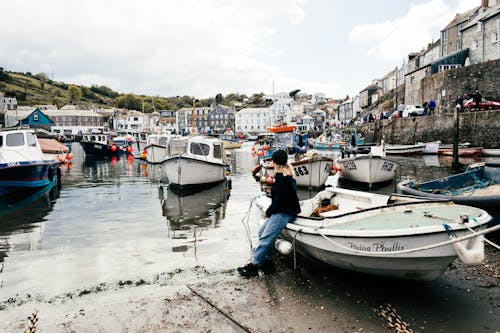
[(471, 253), (256, 169), (283, 246)]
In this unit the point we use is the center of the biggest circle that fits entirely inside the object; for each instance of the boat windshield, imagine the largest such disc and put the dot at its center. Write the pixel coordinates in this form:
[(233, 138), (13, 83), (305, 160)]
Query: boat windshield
[(163, 141), (177, 147), (284, 139)]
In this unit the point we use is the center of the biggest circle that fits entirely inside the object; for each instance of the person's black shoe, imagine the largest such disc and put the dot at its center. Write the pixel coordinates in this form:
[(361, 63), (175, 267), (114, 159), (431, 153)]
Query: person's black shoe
[(249, 270), (268, 267)]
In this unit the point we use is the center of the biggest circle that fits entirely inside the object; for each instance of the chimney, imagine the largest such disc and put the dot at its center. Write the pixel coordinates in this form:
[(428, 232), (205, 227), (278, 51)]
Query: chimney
[(484, 3)]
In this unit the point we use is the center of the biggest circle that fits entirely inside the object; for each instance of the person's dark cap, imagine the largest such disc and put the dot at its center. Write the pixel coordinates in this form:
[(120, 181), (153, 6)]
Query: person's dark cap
[(280, 157)]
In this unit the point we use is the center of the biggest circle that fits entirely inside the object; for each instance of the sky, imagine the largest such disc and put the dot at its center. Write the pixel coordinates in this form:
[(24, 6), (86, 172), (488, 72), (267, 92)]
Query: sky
[(204, 47)]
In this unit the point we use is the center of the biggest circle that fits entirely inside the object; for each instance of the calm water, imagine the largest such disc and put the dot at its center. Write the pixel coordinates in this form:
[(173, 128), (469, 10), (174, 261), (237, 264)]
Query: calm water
[(116, 219)]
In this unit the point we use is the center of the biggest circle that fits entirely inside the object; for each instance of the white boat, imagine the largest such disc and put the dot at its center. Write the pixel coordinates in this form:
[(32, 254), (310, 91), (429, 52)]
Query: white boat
[(195, 161), (393, 236), (431, 148), (366, 170), (416, 149), (156, 147), (22, 163), (231, 140), (312, 170)]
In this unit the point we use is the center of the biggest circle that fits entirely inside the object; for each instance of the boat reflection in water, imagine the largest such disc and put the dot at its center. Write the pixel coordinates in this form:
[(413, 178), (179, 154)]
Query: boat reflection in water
[(188, 211), (20, 217)]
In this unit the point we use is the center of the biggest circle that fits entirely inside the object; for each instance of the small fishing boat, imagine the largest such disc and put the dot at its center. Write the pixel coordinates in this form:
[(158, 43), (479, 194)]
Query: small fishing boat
[(311, 169), (366, 170), (406, 150), (334, 141), (230, 140), (195, 161), (156, 147), (22, 163), (478, 186), (104, 144), (463, 151), (393, 236)]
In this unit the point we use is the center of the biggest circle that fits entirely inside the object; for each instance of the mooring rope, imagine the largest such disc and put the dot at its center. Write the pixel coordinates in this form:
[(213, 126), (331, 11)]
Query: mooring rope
[(245, 221)]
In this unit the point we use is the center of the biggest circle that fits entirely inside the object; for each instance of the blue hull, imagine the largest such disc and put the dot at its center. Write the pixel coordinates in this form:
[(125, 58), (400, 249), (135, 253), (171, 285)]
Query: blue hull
[(461, 188), (26, 175)]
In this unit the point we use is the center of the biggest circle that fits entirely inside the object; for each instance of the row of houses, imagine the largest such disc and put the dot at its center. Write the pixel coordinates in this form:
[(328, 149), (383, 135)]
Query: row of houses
[(470, 38)]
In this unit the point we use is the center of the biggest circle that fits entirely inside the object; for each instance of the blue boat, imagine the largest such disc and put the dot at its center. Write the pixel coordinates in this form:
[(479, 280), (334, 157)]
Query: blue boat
[(478, 186), (22, 164), (105, 145)]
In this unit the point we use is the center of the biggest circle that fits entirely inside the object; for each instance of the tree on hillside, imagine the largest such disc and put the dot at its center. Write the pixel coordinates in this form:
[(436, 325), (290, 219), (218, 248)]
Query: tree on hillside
[(42, 77), (103, 90), (75, 94), (4, 76), (129, 101)]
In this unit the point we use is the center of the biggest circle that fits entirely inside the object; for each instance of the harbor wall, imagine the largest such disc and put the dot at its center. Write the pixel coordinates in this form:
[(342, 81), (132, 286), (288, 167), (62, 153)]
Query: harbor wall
[(480, 128)]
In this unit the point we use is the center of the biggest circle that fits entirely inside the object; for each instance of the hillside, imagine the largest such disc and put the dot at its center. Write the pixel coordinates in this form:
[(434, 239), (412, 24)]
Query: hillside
[(38, 89)]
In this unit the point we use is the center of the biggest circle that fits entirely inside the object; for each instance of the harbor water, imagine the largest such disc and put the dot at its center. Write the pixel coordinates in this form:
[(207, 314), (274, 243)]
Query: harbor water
[(115, 225)]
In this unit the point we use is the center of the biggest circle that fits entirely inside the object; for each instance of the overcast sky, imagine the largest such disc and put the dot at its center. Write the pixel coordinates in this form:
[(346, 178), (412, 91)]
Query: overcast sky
[(203, 47)]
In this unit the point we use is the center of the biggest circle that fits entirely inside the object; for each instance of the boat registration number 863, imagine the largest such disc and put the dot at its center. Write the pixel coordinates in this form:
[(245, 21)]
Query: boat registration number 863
[(301, 170)]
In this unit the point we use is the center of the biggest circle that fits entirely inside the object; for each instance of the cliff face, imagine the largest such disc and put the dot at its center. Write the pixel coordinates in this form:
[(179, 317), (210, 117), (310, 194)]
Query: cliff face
[(479, 128)]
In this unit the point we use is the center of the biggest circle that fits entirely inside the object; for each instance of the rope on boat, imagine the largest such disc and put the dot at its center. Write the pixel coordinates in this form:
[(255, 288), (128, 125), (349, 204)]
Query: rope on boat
[(473, 254), (294, 252), (422, 248), (245, 221), (486, 240)]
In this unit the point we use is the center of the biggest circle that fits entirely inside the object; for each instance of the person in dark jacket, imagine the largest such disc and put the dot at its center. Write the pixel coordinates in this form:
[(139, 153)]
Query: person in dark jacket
[(283, 209)]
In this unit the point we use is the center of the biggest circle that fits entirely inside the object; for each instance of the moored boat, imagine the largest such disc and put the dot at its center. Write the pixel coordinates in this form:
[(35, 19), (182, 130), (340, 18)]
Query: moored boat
[(230, 140), (367, 170), (478, 186), (463, 151), (22, 163), (103, 144), (156, 147), (195, 161), (390, 236), (406, 150)]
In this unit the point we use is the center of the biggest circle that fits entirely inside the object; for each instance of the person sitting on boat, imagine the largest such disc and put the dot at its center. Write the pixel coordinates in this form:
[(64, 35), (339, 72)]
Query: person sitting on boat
[(283, 209)]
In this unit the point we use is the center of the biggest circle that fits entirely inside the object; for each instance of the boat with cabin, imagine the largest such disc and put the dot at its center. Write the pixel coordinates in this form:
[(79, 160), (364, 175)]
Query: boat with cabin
[(195, 161), (156, 147), (22, 163), (106, 144)]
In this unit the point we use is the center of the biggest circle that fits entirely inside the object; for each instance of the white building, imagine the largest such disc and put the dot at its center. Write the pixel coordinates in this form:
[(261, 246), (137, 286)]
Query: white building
[(7, 103), (253, 120)]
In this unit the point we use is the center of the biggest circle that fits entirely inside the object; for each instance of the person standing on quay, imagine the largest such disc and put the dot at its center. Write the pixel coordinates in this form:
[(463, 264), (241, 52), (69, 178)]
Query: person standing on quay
[(432, 106), (283, 209), (477, 99)]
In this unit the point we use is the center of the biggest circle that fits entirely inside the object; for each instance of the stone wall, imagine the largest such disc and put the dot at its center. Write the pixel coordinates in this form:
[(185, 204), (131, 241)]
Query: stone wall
[(479, 128), (444, 87)]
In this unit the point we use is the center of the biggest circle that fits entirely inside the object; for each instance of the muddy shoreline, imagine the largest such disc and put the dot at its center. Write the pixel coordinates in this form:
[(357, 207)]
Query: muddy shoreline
[(312, 298)]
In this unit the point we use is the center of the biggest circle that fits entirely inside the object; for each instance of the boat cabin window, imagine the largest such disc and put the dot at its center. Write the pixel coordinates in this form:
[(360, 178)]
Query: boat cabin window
[(30, 137), (14, 139), (93, 138), (284, 139), (217, 151), (163, 141), (198, 148), (1, 141), (177, 147)]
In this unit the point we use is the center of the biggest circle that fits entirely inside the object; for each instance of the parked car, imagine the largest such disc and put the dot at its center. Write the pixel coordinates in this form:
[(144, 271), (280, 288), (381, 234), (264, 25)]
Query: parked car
[(413, 110), (395, 114), (470, 105)]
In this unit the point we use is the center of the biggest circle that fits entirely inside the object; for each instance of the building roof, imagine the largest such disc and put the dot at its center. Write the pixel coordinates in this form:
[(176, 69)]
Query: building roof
[(483, 15), (21, 114), (253, 110)]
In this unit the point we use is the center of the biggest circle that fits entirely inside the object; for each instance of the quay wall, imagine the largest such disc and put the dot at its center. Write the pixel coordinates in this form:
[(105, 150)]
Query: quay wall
[(480, 128)]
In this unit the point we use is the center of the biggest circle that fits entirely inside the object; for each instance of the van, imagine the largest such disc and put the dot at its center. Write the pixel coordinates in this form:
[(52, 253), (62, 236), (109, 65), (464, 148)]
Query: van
[(413, 110)]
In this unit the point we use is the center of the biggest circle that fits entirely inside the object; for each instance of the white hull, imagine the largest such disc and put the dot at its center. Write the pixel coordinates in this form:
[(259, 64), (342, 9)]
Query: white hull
[(231, 144), (417, 149), (393, 236), (155, 153), (185, 171), (308, 172), (431, 148), (367, 169)]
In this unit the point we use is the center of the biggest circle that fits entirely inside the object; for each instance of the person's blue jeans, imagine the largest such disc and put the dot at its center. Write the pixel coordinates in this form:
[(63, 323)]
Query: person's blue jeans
[(268, 233)]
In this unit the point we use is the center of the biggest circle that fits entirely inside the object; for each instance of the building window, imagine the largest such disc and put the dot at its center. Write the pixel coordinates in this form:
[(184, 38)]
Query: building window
[(35, 116), (445, 35), (494, 37), (412, 79), (445, 49), (459, 45), (459, 29), (479, 26)]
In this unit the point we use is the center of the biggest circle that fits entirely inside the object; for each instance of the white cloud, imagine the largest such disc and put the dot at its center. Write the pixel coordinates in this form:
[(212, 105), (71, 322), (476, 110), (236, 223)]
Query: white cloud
[(155, 47), (392, 40)]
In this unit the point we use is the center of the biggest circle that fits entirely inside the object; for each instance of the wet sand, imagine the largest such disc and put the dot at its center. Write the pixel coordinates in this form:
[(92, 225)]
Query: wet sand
[(312, 298)]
